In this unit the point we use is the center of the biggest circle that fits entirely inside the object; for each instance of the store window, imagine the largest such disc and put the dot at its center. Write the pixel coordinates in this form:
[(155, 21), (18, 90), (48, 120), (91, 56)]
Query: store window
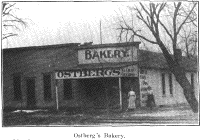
[(47, 86), (17, 87), (67, 89)]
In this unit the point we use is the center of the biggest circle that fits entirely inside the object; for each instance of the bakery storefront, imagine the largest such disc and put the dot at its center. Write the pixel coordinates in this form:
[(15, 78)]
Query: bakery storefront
[(103, 76), (89, 76)]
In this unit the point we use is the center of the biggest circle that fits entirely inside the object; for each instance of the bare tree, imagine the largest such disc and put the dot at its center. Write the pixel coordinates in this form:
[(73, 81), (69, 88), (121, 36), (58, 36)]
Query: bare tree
[(10, 21), (159, 19), (188, 34), (188, 42)]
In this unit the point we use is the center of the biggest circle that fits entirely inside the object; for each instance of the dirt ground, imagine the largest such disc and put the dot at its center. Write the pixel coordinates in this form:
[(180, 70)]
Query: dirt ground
[(177, 115)]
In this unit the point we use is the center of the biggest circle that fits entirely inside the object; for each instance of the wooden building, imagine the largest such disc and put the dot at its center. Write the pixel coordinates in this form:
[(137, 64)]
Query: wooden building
[(89, 76)]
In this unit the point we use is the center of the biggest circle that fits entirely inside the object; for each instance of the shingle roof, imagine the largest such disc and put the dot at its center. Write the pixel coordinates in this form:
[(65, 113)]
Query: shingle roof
[(149, 59)]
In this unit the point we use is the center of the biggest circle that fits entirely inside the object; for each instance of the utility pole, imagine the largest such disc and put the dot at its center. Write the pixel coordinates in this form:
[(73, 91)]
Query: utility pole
[(56, 82), (120, 93), (100, 33)]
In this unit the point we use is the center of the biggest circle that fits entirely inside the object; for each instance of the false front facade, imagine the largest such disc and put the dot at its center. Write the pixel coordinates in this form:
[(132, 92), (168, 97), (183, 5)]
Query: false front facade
[(93, 76)]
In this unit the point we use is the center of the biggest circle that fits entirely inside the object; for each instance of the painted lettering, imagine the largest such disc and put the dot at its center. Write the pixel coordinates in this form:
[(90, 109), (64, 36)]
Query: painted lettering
[(89, 73), (117, 54), (60, 74), (99, 72), (85, 72), (125, 53), (107, 72), (74, 72), (82, 74), (93, 73), (95, 55), (67, 74), (103, 54), (106, 54), (109, 54), (116, 72), (88, 55)]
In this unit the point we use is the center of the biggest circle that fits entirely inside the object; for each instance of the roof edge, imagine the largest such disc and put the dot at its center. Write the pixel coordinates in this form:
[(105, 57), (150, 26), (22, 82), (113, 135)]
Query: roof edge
[(109, 45), (44, 46)]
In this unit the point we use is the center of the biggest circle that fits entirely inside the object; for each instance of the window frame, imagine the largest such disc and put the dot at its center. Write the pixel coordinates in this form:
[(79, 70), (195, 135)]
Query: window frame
[(47, 96)]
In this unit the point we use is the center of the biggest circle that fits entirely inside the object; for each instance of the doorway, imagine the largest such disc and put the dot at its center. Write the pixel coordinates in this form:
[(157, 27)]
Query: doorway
[(127, 84), (30, 85), (101, 92)]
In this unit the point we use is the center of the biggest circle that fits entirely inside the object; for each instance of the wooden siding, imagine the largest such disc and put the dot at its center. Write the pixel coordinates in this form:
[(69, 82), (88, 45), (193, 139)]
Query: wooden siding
[(154, 79), (33, 63)]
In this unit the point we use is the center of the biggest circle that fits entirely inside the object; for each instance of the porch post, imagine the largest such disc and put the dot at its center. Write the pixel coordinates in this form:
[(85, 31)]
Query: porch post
[(57, 107), (120, 93)]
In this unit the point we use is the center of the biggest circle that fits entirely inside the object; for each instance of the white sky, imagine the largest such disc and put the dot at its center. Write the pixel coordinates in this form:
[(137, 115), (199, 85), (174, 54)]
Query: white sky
[(66, 22)]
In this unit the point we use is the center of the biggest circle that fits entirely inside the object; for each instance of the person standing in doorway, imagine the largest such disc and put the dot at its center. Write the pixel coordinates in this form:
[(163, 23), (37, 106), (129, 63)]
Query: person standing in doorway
[(131, 100), (150, 98)]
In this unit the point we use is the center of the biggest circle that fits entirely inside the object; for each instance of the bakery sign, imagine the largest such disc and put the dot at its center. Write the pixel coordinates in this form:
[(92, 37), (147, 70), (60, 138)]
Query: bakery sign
[(107, 55), (130, 71)]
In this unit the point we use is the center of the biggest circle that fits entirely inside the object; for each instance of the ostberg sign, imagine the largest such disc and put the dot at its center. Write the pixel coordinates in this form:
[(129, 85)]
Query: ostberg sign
[(106, 55), (130, 71)]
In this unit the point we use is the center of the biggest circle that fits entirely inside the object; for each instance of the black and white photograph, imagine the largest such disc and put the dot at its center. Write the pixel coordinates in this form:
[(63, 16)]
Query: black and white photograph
[(99, 64)]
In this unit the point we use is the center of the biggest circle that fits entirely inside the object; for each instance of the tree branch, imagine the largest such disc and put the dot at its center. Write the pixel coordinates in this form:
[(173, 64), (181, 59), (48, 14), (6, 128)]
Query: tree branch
[(170, 35), (9, 25), (8, 35), (140, 16), (153, 42), (10, 20), (186, 19), (144, 9)]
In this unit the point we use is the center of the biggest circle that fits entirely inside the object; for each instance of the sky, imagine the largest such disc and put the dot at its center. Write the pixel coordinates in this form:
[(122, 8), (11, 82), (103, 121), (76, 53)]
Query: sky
[(66, 22)]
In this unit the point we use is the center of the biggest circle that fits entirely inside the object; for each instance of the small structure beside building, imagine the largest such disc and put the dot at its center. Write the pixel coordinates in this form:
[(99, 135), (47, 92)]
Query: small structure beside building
[(89, 76)]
